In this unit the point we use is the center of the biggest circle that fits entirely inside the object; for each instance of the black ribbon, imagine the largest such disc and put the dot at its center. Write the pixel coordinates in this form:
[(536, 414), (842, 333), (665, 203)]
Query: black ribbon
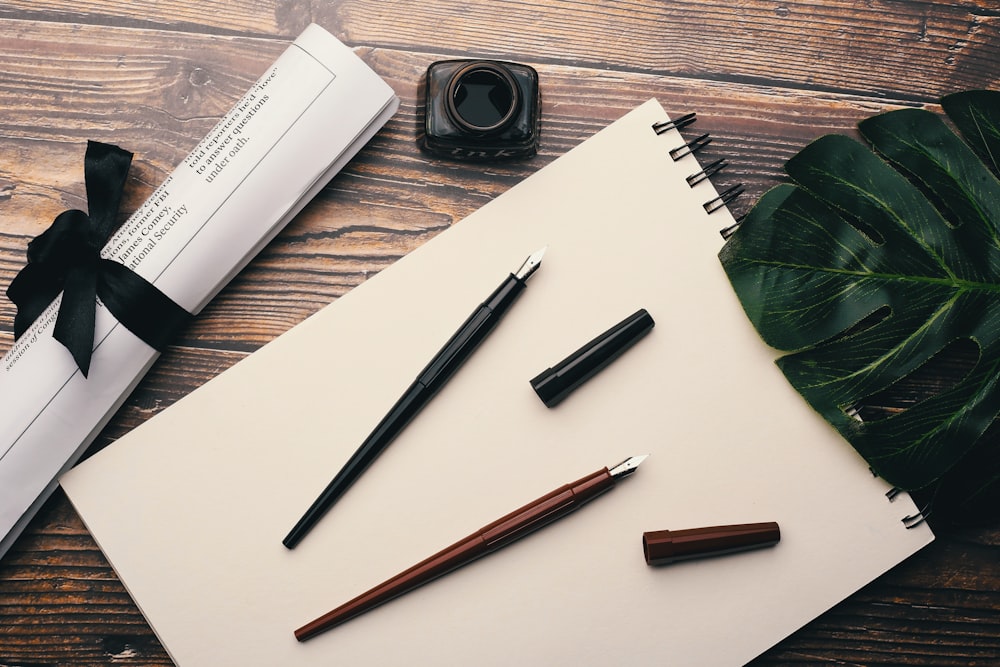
[(66, 258)]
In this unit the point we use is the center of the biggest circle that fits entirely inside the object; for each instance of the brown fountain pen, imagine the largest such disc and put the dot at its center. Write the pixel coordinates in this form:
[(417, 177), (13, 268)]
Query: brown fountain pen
[(500, 533)]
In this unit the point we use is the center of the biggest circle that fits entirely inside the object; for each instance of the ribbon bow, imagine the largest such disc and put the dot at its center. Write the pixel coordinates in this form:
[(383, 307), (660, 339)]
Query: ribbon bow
[(66, 258)]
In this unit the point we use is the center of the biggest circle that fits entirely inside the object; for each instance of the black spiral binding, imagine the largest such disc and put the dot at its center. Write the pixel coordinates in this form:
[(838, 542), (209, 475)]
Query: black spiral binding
[(726, 196), (712, 167), (691, 147), (913, 520), (675, 124)]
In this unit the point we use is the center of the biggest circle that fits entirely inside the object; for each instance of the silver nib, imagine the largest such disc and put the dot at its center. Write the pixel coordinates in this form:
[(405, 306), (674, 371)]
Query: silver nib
[(627, 467), (530, 265)]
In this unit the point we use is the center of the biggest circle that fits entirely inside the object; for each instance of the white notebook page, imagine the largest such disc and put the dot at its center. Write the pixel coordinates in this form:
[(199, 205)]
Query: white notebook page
[(191, 507)]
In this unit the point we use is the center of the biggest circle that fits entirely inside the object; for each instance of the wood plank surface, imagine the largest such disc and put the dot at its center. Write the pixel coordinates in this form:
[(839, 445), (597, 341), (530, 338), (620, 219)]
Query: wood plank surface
[(765, 78), (842, 46)]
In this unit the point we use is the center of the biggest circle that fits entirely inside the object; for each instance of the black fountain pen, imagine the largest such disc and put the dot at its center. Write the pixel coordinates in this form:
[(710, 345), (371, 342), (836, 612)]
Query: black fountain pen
[(428, 383)]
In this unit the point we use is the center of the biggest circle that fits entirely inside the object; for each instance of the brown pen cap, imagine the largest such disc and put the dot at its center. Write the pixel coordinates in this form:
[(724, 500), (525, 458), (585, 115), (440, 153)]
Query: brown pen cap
[(666, 546)]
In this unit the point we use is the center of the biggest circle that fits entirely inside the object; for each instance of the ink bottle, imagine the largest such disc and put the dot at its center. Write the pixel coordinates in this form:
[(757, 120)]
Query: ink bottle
[(480, 110)]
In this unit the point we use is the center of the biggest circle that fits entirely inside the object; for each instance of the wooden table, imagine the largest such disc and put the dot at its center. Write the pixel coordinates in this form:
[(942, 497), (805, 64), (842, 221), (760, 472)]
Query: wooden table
[(765, 77)]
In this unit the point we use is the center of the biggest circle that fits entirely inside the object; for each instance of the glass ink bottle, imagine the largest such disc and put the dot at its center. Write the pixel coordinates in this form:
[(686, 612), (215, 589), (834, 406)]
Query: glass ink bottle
[(481, 110)]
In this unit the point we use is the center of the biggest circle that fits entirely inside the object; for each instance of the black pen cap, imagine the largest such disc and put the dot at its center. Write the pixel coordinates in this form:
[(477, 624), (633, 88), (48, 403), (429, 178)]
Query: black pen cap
[(661, 547), (556, 383)]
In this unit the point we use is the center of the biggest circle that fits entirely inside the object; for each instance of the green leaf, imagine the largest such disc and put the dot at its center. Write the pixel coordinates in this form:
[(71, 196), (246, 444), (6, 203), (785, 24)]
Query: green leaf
[(971, 113), (869, 268)]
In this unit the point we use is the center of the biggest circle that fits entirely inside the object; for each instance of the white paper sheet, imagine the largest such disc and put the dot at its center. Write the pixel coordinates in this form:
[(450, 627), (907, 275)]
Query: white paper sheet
[(191, 507)]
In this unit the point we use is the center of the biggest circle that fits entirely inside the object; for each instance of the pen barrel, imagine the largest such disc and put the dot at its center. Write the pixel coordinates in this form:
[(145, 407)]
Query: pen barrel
[(498, 534), (470, 335), (427, 570), (434, 376), (404, 410), (545, 510), (504, 295)]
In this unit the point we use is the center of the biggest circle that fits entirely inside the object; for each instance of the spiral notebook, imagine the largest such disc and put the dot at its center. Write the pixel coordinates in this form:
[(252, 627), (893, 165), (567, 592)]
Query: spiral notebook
[(191, 507)]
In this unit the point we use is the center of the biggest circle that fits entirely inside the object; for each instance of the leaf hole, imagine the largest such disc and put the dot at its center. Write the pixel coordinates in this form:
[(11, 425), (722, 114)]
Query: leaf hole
[(942, 372), (866, 230), (953, 215), (868, 322), (953, 209)]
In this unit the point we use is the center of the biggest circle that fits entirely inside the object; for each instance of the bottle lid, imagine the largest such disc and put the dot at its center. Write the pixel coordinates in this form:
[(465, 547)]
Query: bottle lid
[(556, 383), (667, 546)]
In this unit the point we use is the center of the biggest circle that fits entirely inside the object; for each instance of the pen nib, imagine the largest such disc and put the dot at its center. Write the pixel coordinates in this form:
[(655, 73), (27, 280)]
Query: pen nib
[(627, 467), (531, 264)]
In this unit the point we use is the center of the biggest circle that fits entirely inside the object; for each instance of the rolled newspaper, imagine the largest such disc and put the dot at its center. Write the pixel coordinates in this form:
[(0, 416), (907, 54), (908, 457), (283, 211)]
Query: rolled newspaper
[(296, 127)]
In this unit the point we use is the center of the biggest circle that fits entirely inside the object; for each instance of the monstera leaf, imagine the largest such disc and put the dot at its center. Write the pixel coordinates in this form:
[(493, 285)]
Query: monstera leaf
[(872, 266)]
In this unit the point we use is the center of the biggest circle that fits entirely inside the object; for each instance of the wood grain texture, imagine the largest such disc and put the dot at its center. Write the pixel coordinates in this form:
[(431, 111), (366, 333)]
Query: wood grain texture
[(838, 46), (765, 78)]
